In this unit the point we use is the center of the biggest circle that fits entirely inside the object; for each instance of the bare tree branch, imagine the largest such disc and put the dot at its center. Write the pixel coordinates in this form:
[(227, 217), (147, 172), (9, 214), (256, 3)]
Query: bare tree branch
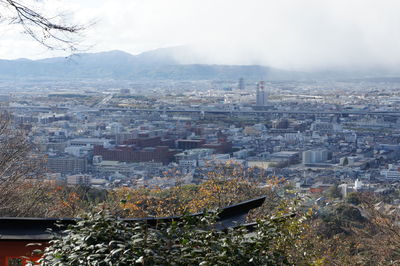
[(48, 31)]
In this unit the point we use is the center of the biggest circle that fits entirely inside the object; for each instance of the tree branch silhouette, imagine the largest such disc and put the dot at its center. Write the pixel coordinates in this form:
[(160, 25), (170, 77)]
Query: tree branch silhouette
[(48, 31)]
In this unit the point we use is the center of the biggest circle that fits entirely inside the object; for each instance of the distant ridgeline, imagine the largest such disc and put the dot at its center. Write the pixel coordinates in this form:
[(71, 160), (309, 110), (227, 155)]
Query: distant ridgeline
[(161, 64), (119, 65)]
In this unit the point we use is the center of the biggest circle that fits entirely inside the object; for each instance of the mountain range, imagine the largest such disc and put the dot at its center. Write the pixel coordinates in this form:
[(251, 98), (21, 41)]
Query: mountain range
[(160, 64)]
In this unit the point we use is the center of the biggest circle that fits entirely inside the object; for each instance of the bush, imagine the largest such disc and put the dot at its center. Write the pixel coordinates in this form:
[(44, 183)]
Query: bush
[(353, 198), (101, 239)]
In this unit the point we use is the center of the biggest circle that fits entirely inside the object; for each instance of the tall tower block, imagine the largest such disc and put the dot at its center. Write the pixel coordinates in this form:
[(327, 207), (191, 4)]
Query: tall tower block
[(261, 94), (241, 84)]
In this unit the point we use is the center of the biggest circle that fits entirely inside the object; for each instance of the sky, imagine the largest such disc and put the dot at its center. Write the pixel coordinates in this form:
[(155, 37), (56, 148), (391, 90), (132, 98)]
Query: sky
[(288, 34)]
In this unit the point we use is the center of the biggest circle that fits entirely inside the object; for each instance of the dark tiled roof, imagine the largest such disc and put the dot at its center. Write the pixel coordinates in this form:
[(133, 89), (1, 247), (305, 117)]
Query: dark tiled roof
[(37, 228)]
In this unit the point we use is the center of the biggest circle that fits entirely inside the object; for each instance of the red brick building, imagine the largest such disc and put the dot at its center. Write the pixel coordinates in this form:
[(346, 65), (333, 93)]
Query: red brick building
[(187, 144), (221, 147), (129, 153)]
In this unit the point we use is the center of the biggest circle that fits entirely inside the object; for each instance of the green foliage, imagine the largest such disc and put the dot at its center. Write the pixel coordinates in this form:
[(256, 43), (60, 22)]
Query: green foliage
[(349, 213), (353, 198), (101, 239), (334, 192), (341, 218)]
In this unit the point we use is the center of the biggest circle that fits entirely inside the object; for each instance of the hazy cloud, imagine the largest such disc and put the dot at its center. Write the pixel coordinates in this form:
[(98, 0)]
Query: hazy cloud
[(296, 34)]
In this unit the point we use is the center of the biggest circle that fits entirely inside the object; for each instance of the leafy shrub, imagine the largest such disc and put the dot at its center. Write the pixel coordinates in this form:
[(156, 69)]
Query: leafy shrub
[(101, 239)]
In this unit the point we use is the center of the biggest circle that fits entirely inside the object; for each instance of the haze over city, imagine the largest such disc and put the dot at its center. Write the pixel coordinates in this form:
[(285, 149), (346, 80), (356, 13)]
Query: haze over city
[(295, 35)]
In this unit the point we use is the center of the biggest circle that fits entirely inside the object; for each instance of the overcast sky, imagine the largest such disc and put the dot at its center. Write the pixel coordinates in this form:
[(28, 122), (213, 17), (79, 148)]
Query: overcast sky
[(291, 34)]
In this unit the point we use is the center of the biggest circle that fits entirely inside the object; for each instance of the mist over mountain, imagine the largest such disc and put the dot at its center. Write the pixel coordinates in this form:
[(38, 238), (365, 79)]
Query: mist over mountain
[(161, 64)]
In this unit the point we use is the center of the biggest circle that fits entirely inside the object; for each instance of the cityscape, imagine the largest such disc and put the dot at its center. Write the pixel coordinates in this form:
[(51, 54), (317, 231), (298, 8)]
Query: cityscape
[(314, 134), (202, 133)]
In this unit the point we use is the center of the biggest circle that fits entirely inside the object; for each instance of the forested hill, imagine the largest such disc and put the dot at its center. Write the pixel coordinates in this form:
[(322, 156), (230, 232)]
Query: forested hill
[(164, 64), (153, 65)]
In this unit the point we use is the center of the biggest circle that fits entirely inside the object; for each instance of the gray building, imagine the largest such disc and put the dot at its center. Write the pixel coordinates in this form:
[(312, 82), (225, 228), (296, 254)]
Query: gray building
[(241, 85), (261, 96), (315, 156), (67, 165)]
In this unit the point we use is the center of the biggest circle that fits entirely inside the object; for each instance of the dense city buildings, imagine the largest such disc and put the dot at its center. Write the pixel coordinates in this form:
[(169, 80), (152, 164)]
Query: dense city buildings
[(313, 134)]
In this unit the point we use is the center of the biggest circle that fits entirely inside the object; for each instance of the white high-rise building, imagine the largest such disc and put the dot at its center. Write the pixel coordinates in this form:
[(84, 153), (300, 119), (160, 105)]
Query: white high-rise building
[(261, 96)]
